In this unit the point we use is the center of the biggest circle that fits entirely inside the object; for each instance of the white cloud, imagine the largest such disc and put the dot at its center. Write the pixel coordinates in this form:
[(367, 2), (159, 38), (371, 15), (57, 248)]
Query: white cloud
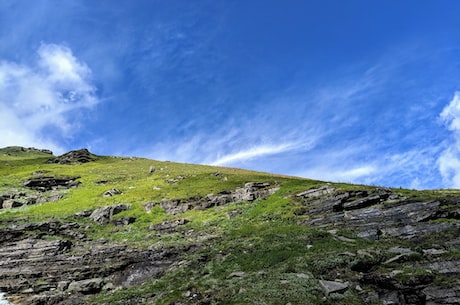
[(349, 174), (41, 102), (449, 160), (254, 152)]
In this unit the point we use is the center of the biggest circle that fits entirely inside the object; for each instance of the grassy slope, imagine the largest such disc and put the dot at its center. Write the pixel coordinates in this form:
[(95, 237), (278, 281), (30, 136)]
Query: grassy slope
[(281, 260)]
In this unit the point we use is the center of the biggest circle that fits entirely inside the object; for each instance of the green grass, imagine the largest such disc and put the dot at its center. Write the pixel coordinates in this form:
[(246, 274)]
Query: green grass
[(282, 261)]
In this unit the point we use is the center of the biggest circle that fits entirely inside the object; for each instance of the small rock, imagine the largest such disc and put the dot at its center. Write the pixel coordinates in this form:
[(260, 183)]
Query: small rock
[(333, 287), (62, 285), (112, 192), (400, 250), (10, 203), (397, 258), (86, 286), (237, 274), (345, 239), (123, 221), (169, 226), (108, 287), (433, 252), (83, 214), (101, 181), (302, 276)]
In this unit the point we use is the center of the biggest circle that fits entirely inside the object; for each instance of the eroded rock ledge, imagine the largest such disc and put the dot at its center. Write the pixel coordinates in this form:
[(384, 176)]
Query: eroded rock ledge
[(429, 229), (250, 192), (55, 263)]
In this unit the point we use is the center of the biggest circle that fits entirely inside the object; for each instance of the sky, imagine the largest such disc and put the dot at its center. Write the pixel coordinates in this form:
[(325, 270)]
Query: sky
[(347, 91)]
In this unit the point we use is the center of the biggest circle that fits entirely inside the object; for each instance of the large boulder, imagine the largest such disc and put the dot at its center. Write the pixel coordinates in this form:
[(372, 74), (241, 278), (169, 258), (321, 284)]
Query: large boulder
[(104, 215)]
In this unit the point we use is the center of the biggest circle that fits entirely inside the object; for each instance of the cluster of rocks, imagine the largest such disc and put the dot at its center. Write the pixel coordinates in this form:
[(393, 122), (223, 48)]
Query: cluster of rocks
[(74, 156), (381, 212), (105, 214), (250, 192), (56, 263), (15, 199), (397, 275), (48, 183), (168, 226)]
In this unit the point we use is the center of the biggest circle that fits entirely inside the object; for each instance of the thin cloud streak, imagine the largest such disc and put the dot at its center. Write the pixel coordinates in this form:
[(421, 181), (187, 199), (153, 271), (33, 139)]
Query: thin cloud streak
[(254, 152)]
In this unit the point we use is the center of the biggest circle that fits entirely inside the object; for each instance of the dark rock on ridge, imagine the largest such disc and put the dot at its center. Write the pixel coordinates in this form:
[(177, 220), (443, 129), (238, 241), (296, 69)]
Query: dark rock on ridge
[(74, 156)]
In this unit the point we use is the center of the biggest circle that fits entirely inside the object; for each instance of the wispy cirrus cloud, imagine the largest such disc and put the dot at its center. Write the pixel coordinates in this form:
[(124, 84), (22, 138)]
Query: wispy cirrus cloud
[(43, 101), (253, 152)]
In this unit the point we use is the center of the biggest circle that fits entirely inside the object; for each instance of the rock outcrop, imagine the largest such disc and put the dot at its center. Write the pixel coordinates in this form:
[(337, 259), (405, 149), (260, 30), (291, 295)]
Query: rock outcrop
[(397, 275), (104, 215), (250, 192), (55, 263), (47, 183), (74, 156)]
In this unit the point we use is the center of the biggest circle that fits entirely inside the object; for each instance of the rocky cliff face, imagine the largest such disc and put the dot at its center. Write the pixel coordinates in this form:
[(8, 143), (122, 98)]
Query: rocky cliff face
[(422, 230)]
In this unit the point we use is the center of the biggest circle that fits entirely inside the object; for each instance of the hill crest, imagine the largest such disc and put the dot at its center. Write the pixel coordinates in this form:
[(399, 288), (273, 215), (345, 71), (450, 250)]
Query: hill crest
[(130, 230)]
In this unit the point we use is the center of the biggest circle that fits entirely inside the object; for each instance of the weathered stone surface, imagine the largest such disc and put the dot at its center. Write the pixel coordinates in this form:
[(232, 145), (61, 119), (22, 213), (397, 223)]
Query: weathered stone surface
[(11, 203), (316, 192), (442, 295), (362, 203), (104, 214), (250, 192), (169, 226), (74, 156), (15, 198), (47, 183), (42, 263), (333, 287), (123, 221), (89, 286), (112, 192)]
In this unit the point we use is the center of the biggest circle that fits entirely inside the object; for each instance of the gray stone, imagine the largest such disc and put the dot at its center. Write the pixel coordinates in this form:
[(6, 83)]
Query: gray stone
[(11, 203), (250, 192), (237, 274), (329, 287), (433, 252), (104, 215), (361, 203), (442, 295), (89, 286), (112, 192), (169, 226), (324, 190)]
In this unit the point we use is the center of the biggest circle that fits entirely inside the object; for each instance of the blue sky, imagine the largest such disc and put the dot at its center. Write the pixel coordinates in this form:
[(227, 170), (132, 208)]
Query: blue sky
[(351, 91)]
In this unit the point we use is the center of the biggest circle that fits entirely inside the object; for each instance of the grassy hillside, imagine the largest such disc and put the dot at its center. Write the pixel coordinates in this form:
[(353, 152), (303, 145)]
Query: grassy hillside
[(240, 253)]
